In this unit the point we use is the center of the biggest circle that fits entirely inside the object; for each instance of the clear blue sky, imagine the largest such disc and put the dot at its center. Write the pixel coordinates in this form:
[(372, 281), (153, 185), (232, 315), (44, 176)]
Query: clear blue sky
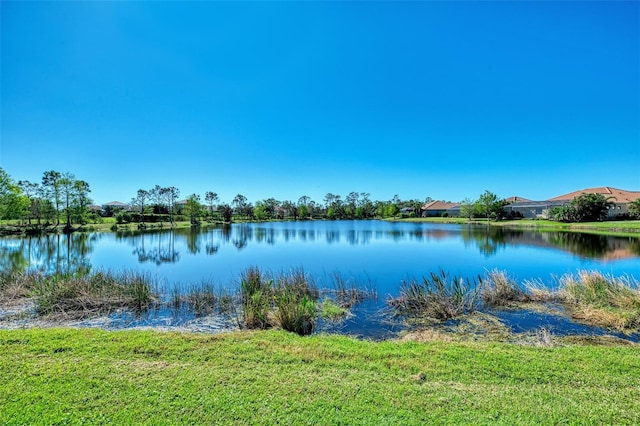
[(283, 99)]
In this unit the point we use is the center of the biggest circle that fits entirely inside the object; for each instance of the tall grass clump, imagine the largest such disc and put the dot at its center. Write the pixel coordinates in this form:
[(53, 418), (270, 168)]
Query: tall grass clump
[(17, 285), (499, 290), (202, 299), (96, 293), (295, 296), (255, 294), (602, 299), (349, 291), (438, 297)]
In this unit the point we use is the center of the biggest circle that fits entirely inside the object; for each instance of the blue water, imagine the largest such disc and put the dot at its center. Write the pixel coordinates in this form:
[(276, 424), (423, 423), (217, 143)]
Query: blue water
[(377, 253)]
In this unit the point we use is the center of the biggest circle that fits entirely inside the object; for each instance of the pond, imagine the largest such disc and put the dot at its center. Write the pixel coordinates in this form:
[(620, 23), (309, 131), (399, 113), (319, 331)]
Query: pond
[(379, 253)]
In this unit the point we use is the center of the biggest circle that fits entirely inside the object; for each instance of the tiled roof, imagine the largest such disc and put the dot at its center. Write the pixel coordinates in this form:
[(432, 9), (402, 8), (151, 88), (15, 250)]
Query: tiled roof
[(619, 195), (439, 205), (515, 199)]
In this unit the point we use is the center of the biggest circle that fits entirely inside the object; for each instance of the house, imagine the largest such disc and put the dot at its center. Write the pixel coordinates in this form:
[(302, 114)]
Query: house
[(438, 208), (515, 199), (108, 209), (619, 198), (532, 209)]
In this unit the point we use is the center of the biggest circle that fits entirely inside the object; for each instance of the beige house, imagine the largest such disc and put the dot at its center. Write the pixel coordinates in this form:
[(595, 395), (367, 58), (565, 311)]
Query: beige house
[(619, 197), (437, 208)]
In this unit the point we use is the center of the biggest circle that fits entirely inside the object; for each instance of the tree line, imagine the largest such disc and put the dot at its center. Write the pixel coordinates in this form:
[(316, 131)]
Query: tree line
[(61, 197)]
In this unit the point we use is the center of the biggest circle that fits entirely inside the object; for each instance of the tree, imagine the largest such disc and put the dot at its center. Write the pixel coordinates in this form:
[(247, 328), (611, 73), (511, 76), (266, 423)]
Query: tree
[(171, 194), (240, 204), (211, 198), (467, 208), (141, 200), (490, 206), (634, 208), (304, 209), (81, 200), (226, 212), (260, 211), (13, 203), (32, 191), (66, 182), (157, 196), (590, 207), (52, 189), (193, 208)]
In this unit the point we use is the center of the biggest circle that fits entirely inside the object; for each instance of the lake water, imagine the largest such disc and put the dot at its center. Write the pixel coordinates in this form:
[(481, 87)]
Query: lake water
[(380, 253)]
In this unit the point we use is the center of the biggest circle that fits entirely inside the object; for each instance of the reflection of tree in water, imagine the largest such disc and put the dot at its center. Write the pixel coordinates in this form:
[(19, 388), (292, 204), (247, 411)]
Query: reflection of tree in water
[(265, 235), (50, 254), (586, 245), (193, 240), (487, 239), (243, 234), (634, 245), (332, 237), (158, 252), (359, 237)]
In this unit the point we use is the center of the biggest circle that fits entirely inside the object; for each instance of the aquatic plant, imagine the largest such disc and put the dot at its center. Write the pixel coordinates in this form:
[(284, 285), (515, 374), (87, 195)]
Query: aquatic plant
[(438, 297), (99, 292), (295, 297), (498, 289), (255, 294), (602, 299)]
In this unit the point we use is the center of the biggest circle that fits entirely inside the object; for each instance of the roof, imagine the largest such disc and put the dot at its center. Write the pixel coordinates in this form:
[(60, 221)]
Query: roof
[(115, 204), (619, 195), (538, 204), (515, 199), (439, 205)]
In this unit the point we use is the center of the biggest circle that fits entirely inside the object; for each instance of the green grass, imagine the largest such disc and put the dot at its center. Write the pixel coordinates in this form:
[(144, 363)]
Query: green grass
[(90, 376), (623, 227)]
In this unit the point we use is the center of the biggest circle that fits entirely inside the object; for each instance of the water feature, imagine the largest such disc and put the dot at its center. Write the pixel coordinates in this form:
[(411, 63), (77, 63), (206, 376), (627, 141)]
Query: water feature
[(379, 253)]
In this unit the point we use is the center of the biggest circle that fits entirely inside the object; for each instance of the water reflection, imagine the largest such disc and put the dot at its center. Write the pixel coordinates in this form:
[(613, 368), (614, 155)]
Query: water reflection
[(73, 253), (156, 247), (50, 254)]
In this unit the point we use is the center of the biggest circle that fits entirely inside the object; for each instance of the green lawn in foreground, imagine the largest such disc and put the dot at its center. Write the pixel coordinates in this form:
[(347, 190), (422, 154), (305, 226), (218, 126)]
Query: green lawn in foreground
[(69, 376)]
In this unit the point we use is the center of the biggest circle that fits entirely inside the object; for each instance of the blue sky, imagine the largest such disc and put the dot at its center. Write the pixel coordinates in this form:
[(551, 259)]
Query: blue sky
[(283, 99)]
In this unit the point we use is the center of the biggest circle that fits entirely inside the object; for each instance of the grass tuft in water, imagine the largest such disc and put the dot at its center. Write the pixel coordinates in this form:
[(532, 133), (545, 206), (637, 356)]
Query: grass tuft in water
[(255, 294), (602, 299), (499, 290), (438, 297), (96, 293), (295, 298)]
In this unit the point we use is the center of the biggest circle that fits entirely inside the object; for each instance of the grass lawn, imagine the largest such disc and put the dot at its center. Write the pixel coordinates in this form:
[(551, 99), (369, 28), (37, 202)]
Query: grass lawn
[(623, 227), (74, 376)]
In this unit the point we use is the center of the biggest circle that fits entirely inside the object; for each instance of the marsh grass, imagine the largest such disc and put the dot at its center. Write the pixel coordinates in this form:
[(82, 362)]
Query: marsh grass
[(16, 285), (202, 299), (97, 293), (438, 297), (255, 295), (350, 291), (332, 311), (602, 299), (499, 290)]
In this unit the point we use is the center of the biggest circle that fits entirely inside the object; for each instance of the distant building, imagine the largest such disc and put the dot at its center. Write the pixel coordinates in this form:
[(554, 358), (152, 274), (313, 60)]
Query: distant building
[(438, 208), (108, 209), (619, 197), (532, 209)]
